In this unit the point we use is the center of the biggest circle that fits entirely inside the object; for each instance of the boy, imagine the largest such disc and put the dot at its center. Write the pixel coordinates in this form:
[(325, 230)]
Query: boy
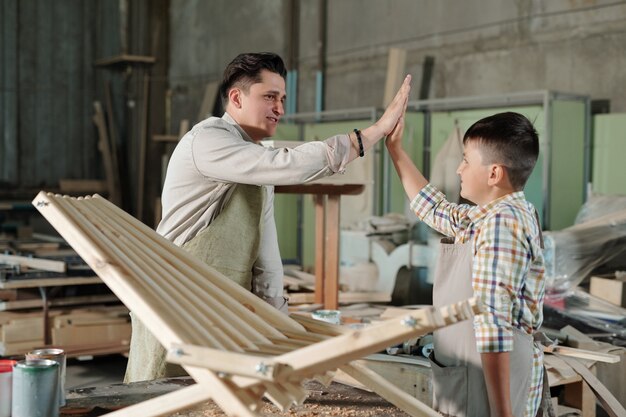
[(493, 251)]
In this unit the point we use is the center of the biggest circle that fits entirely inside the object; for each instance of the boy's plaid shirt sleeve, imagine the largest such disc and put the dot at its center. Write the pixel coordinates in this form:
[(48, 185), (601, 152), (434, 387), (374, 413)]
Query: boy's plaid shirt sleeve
[(431, 206), (501, 261)]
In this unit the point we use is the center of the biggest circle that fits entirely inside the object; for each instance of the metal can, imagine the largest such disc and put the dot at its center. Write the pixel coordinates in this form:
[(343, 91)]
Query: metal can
[(6, 384), (57, 355), (35, 388)]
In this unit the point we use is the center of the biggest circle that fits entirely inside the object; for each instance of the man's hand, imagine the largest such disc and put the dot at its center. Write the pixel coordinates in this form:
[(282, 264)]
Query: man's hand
[(396, 108)]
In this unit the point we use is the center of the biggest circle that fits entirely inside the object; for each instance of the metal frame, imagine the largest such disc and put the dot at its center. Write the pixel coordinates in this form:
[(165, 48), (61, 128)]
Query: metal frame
[(542, 97)]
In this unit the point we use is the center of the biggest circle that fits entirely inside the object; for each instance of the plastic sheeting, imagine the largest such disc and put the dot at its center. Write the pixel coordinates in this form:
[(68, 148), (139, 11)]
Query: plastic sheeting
[(598, 239)]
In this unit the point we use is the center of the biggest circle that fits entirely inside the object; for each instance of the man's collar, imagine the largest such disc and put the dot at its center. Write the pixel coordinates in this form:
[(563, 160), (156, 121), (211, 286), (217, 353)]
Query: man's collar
[(227, 117), (481, 211)]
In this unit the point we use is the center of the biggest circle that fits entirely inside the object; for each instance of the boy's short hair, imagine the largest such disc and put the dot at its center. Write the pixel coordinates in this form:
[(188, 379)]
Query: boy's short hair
[(508, 139), (245, 70)]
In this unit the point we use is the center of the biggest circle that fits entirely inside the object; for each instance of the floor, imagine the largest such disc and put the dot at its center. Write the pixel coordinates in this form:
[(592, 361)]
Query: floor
[(94, 371)]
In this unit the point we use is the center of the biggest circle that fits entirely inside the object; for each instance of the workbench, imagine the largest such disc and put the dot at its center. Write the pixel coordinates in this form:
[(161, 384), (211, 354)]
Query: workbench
[(327, 197), (335, 400)]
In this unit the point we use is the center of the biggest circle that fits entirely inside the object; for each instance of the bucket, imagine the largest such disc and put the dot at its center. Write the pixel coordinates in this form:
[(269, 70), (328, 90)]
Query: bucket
[(57, 355), (6, 385), (35, 388)]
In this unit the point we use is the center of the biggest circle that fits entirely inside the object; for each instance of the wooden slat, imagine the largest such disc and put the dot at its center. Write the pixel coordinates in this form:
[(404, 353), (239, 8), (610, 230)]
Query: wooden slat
[(266, 316), (49, 282), (606, 399), (240, 326), (36, 263), (388, 391)]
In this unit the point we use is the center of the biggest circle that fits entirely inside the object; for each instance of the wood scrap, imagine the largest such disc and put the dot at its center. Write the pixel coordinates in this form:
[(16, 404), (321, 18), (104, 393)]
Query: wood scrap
[(36, 263), (582, 354), (607, 400)]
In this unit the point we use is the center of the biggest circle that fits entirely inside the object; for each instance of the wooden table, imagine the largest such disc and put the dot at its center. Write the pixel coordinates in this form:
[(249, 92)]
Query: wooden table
[(326, 197)]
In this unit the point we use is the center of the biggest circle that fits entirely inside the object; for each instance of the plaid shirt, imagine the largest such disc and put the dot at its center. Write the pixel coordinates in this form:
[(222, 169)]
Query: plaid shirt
[(507, 271)]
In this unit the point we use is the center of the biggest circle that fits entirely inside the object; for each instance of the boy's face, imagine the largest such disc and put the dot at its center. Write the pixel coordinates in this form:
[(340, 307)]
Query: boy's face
[(474, 174), (262, 106)]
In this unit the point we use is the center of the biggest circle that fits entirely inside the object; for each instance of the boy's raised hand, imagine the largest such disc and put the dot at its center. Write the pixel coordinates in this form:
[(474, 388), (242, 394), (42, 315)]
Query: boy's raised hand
[(396, 108), (394, 139)]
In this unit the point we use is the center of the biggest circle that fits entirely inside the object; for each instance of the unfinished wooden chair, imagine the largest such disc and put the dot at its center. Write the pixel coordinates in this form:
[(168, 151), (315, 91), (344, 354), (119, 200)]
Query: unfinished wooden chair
[(236, 347)]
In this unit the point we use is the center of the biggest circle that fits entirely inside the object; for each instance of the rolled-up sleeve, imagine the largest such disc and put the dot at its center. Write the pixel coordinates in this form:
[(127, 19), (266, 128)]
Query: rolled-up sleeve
[(431, 207), (500, 263)]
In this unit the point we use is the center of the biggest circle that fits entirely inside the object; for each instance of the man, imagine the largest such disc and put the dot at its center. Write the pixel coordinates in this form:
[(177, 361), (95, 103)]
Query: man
[(218, 192)]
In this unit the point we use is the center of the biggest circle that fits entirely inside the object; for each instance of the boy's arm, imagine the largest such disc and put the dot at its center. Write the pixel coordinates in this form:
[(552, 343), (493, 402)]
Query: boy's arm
[(428, 203), (497, 372), (412, 179), (499, 267)]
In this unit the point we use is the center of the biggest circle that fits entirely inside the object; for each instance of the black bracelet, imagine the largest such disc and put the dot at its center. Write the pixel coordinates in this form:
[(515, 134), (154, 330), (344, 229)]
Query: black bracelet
[(360, 142)]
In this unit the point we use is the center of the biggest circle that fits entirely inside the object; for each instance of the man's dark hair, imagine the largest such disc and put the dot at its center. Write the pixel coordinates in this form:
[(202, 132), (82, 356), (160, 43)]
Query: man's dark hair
[(508, 139), (245, 70)]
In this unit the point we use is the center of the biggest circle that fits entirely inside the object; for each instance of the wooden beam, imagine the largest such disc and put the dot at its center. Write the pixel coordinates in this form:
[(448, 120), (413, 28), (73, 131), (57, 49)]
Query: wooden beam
[(388, 391), (582, 354), (262, 368), (607, 400), (338, 350), (36, 263)]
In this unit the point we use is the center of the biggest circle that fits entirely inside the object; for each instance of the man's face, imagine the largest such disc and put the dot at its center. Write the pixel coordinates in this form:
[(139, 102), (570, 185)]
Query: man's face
[(474, 174), (262, 106)]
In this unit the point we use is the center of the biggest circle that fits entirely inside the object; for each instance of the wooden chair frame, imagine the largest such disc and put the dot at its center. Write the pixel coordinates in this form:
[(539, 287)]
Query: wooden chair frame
[(235, 346)]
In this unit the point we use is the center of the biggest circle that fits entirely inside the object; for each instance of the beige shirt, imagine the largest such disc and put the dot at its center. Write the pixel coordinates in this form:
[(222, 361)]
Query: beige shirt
[(215, 155)]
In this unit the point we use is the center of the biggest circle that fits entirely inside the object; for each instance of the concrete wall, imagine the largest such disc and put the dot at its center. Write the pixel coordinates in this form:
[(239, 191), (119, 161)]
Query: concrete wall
[(481, 47)]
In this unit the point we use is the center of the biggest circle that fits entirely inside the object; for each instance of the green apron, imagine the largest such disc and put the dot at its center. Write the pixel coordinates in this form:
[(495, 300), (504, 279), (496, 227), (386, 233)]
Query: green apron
[(230, 244)]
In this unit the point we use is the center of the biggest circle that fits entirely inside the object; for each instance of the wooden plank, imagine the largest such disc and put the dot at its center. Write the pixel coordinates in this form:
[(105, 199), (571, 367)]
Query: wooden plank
[(331, 256), (36, 263), (263, 368), (388, 391), (208, 100), (49, 282), (320, 252), (395, 73), (237, 328), (338, 350), (143, 138), (57, 302), (82, 186), (111, 174), (583, 354), (607, 400)]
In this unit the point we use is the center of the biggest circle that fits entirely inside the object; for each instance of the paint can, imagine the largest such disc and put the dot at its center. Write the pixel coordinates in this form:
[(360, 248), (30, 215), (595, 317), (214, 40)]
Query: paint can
[(6, 385), (35, 388), (57, 355), (329, 316)]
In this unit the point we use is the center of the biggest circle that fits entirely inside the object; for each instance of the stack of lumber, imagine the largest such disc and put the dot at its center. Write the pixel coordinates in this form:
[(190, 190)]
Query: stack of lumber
[(95, 330), (20, 332), (92, 326)]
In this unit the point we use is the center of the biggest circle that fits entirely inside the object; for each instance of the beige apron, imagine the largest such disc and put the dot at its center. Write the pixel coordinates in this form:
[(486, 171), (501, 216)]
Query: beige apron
[(230, 244), (458, 380)]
